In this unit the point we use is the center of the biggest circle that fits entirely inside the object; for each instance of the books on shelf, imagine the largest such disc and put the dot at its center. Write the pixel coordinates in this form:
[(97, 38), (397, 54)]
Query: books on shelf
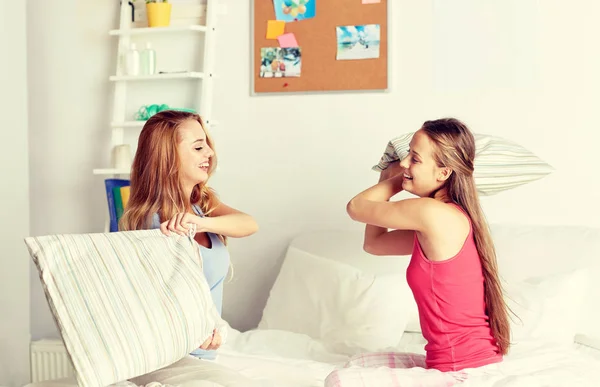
[(117, 194), (125, 192)]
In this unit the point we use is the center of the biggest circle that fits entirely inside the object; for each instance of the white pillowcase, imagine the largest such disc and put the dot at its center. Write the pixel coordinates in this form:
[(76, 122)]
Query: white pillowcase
[(547, 308), (499, 164), (413, 324), (349, 310), (125, 303)]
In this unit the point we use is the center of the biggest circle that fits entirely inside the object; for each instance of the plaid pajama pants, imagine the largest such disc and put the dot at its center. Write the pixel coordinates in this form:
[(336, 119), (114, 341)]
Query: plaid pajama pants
[(391, 369)]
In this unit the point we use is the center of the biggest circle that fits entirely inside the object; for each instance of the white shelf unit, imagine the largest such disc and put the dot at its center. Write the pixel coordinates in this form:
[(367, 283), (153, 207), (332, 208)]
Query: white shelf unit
[(140, 124), (157, 30), (156, 77), (110, 171), (127, 124), (204, 78)]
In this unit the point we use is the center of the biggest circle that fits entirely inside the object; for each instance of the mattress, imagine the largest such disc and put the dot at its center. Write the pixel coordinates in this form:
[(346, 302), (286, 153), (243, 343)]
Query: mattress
[(270, 358)]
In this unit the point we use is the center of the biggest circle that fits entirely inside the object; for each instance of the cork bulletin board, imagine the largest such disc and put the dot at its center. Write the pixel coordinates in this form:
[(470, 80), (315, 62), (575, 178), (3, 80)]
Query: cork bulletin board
[(319, 45)]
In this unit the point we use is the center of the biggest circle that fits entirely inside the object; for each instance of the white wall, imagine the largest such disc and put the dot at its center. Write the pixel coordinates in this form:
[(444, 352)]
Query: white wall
[(69, 113), (523, 70), (14, 260)]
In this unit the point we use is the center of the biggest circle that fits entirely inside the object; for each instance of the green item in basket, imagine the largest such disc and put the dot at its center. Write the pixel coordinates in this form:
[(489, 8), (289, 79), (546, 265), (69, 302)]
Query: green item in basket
[(147, 111)]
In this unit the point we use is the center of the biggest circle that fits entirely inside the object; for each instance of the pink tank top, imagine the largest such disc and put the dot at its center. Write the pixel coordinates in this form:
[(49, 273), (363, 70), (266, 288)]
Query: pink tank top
[(450, 299)]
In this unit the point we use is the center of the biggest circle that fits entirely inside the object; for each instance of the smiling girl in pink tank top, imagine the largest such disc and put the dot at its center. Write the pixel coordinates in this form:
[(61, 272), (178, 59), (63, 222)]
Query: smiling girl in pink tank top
[(453, 272)]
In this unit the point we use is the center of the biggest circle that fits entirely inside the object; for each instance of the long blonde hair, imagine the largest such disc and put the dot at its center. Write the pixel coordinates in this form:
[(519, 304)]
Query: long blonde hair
[(454, 147), (155, 181)]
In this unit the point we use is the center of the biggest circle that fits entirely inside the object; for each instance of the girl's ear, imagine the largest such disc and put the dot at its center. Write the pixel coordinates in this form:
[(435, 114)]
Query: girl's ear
[(444, 174)]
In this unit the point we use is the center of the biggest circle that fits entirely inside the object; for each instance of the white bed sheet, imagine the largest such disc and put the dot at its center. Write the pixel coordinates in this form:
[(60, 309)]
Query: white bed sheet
[(283, 359), (529, 364)]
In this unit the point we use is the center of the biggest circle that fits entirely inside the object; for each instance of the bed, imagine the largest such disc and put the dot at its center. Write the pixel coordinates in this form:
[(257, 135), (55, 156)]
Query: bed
[(311, 326), (272, 358)]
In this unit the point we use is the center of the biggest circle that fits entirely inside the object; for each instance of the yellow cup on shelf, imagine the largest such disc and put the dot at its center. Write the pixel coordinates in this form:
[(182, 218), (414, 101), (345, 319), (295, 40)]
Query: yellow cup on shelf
[(159, 14)]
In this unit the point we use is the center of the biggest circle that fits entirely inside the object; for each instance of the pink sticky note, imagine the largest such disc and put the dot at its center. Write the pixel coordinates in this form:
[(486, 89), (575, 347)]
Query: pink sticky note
[(371, 1), (287, 40)]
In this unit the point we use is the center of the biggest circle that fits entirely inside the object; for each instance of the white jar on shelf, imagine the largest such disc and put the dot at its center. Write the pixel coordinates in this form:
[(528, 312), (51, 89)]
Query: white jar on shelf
[(132, 61)]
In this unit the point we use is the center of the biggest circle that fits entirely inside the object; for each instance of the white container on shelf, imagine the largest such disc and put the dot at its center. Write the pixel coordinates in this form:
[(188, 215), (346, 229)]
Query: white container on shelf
[(148, 60), (132, 61)]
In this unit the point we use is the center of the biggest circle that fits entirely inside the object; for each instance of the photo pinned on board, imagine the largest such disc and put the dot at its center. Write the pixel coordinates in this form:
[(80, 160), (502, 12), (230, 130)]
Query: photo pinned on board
[(358, 42), (278, 62), (294, 10)]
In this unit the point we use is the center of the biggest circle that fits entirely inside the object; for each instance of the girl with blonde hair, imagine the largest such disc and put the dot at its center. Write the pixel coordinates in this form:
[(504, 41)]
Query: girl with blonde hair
[(452, 272), (174, 160)]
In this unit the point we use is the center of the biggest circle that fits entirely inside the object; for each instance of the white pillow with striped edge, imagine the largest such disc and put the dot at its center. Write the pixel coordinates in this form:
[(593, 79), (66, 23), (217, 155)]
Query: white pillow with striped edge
[(499, 165), (126, 303)]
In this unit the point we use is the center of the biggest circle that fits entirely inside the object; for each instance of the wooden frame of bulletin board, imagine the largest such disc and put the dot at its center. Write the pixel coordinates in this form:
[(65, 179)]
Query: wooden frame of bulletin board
[(317, 37)]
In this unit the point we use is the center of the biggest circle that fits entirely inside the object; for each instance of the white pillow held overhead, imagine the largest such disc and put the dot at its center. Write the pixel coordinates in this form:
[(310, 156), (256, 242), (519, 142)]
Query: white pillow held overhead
[(499, 164)]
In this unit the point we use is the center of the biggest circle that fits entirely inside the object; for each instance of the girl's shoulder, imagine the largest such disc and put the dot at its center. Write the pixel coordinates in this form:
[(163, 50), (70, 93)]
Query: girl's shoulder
[(442, 215)]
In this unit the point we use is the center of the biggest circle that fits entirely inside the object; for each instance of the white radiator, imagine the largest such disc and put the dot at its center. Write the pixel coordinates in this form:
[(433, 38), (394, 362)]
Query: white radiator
[(49, 360)]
